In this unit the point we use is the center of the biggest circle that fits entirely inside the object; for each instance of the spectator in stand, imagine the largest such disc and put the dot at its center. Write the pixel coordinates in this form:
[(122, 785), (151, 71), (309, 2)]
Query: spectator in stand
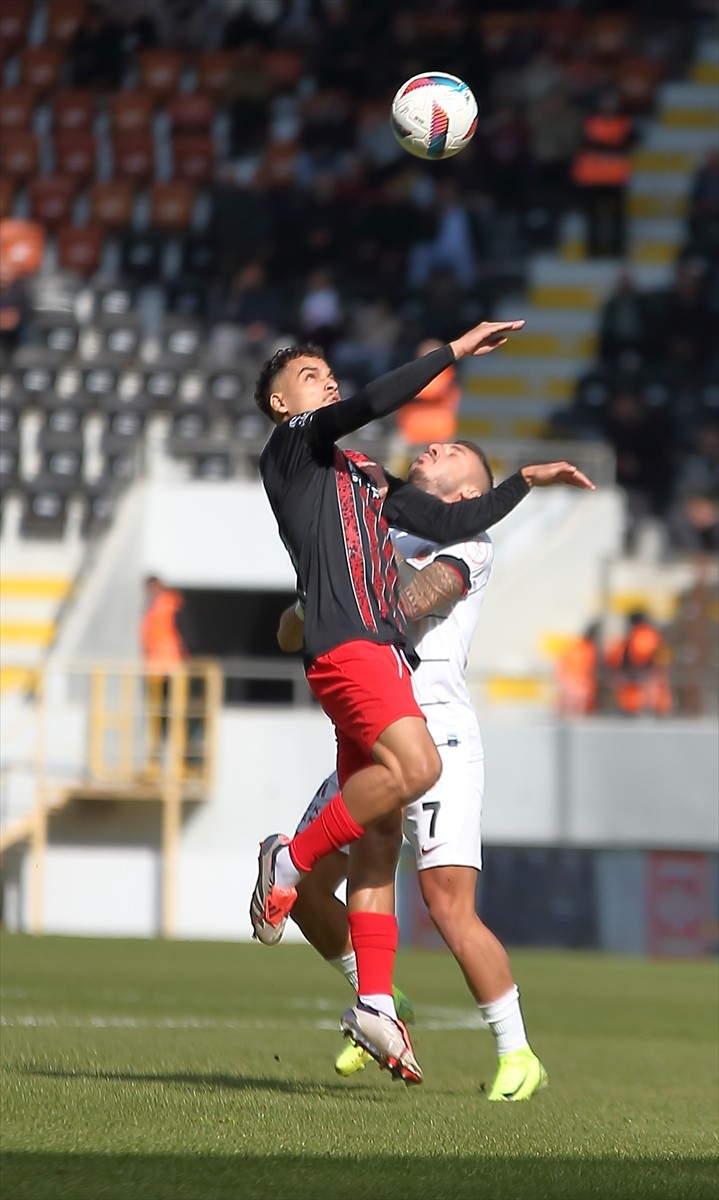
[(164, 637), (694, 517), (320, 314), (248, 95), (645, 449), (624, 329), (637, 670), (578, 674), (555, 135), (452, 248), (240, 225), (685, 322), (601, 171), (96, 56), (253, 304), (504, 138), (704, 205), (13, 306), (432, 415)]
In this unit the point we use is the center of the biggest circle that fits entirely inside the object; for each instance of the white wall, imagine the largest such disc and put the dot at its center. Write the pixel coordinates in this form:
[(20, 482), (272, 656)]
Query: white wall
[(598, 783)]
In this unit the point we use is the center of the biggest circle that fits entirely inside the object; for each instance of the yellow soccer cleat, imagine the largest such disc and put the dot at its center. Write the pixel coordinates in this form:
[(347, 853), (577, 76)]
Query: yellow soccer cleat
[(352, 1059), (520, 1076)]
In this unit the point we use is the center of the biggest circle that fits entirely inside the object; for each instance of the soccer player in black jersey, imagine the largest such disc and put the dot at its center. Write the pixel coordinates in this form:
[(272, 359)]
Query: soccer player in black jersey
[(333, 510)]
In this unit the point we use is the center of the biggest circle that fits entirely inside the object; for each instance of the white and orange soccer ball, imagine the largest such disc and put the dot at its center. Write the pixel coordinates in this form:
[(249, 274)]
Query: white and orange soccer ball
[(434, 115)]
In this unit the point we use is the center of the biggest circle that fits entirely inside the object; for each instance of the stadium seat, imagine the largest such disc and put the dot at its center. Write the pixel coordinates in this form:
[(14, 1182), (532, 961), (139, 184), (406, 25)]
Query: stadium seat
[(40, 67), (58, 332), (64, 419), (230, 391), (134, 157), (160, 71), (250, 427), (73, 111), (9, 461), (191, 389), (51, 199), (35, 377), (121, 460), (171, 205), (198, 255), (111, 203), (100, 503), (186, 297), (80, 249), (7, 196), (180, 339), (214, 465), (62, 456), (131, 111), (44, 512), (214, 68), (76, 155), (161, 387), (194, 158), (99, 382), (19, 155), (111, 343), (17, 108), (14, 22), (63, 19), (22, 244), (9, 419), (69, 388), (140, 256), (190, 424), (191, 113), (131, 387), (125, 423)]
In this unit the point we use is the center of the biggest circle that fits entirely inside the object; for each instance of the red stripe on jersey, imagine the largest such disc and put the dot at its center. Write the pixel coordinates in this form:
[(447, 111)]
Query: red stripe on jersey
[(348, 501)]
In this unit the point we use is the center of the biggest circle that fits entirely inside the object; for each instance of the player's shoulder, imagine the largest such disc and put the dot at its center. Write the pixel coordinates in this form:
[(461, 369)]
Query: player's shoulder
[(476, 552)]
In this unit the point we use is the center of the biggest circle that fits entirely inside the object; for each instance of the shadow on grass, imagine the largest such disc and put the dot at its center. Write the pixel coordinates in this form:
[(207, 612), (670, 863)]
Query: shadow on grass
[(374, 1177), (240, 1083)]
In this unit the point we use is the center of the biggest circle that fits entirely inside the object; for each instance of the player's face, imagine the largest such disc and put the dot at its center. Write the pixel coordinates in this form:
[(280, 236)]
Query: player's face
[(450, 471), (304, 385)]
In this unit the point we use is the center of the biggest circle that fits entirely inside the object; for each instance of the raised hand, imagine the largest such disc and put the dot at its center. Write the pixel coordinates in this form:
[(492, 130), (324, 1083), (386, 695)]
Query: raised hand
[(557, 473), (484, 338)]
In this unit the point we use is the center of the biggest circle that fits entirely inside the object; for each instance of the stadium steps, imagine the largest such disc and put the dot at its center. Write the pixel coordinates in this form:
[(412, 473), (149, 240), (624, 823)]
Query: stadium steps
[(30, 605), (513, 393)]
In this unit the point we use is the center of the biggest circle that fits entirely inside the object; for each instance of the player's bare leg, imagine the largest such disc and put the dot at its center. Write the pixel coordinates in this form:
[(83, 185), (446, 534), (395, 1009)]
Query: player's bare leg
[(449, 894), (406, 764)]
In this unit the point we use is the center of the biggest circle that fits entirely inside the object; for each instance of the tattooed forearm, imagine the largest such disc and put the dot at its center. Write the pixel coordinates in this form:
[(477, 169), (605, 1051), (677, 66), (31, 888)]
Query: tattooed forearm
[(434, 587)]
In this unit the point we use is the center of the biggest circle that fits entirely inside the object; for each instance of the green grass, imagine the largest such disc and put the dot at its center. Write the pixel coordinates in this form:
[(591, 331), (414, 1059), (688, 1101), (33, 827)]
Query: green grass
[(161, 1071)]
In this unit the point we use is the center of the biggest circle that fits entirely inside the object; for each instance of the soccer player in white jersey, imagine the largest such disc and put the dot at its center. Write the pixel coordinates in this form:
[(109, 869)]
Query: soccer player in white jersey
[(443, 589)]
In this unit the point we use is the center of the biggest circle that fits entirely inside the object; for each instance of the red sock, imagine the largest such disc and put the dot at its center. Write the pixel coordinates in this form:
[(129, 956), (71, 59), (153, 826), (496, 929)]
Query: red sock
[(331, 829), (374, 937)]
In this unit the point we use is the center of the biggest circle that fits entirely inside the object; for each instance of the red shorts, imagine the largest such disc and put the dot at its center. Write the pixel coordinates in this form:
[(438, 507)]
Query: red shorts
[(364, 687)]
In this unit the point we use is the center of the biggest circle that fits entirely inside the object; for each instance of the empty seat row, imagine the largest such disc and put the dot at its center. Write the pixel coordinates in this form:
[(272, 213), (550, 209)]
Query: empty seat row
[(75, 110), (133, 156), (89, 388)]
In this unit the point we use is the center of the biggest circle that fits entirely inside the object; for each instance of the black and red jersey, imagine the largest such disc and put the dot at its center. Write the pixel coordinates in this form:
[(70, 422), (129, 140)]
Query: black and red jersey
[(334, 520)]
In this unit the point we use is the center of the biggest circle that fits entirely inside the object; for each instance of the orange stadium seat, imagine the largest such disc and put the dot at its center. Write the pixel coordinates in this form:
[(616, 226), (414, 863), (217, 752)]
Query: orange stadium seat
[(40, 67), (19, 155), (111, 203), (194, 158), (134, 155), (171, 205), (79, 250), (7, 195), (14, 21), (131, 111), (214, 68), (51, 198), (191, 113), (22, 244), (73, 111), (284, 66), (160, 71), (76, 155), (17, 106), (63, 19)]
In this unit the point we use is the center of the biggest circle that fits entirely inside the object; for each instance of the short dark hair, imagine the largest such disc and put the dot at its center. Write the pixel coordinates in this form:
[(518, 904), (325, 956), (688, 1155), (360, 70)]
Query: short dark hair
[(480, 455), (273, 366)]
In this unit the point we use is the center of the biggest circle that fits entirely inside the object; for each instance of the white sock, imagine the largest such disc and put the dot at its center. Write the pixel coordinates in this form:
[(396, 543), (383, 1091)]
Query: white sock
[(286, 873), (383, 1004), (346, 964), (504, 1017)]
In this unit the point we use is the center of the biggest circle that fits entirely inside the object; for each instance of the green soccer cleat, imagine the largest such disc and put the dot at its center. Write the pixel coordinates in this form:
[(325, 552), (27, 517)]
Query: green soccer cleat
[(404, 1006), (352, 1059), (520, 1076)]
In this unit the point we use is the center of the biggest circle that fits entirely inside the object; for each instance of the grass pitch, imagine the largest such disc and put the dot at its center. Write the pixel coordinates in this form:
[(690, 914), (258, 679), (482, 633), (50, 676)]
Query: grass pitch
[(178, 1071)]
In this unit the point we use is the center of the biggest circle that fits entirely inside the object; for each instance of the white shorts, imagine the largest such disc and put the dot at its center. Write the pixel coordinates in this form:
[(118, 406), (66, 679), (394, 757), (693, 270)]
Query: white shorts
[(443, 827)]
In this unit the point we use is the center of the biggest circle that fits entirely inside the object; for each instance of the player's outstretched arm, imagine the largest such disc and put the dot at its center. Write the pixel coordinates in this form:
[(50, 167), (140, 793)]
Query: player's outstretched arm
[(388, 393), (408, 507)]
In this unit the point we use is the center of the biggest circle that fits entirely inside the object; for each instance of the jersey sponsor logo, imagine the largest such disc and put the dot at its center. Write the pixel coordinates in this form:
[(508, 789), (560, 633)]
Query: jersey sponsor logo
[(300, 419)]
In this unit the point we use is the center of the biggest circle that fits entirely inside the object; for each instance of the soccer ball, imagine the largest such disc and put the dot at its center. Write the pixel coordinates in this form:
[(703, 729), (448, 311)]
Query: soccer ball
[(434, 115)]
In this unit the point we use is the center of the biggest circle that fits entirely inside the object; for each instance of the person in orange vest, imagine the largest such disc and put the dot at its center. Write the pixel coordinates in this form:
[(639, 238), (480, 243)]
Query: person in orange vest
[(164, 649), (638, 669), (601, 172), (432, 415), (577, 671)]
